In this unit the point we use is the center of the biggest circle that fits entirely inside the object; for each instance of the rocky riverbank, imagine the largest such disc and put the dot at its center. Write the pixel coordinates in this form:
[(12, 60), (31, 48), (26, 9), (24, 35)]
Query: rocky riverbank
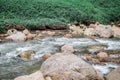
[(93, 30), (67, 66), (78, 53)]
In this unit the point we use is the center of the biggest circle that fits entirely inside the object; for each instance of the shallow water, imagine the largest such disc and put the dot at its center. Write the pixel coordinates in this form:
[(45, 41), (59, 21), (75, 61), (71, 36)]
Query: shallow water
[(11, 66)]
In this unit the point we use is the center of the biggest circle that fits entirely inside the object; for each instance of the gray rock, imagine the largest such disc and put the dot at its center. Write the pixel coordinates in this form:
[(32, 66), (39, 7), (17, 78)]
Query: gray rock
[(67, 66), (114, 75)]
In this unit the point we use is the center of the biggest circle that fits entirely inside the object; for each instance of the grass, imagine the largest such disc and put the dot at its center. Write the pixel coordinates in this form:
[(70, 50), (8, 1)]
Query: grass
[(34, 13)]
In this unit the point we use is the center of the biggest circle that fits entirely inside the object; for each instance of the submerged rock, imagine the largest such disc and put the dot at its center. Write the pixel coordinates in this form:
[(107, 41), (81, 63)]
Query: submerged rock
[(95, 49), (26, 55), (67, 66), (46, 56)]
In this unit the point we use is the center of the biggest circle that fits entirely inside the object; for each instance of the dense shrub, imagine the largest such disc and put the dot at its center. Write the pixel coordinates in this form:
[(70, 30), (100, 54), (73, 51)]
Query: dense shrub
[(42, 12)]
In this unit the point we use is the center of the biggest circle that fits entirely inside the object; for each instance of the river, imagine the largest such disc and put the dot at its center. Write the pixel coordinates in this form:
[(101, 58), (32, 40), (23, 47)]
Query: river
[(11, 66)]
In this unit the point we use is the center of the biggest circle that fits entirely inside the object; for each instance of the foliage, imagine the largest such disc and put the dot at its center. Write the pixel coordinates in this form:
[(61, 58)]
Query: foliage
[(45, 12)]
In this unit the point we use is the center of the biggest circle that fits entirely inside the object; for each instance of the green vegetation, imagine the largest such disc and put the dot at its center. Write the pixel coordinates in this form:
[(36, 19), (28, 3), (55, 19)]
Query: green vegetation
[(34, 13)]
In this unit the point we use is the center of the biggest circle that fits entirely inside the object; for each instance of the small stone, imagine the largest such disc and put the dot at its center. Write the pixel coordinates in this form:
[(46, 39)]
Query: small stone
[(95, 61), (30, 36), (89, 32), (67, 35), (39, 35), (26, 32), (46, 56), (67, 48), (102, 56), (89, 58), (50, 33), (48, 78)]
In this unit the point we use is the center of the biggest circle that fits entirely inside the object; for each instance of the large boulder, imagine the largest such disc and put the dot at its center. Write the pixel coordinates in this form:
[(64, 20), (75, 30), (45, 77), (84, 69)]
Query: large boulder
[(114, 75), (34, 76), (16, 36), (104, 31), (67, 66)]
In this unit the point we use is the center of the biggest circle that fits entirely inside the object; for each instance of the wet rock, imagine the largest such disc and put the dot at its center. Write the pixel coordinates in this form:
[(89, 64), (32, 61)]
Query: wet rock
[(68, 66), (26, 55), (102, 56), (89, 32), (67, 48), (46, 56), (16, 36), (34, 76), (114, 75)]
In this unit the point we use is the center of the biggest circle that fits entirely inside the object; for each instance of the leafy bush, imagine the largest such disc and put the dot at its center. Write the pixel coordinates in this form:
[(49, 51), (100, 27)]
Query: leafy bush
[(39, 12)]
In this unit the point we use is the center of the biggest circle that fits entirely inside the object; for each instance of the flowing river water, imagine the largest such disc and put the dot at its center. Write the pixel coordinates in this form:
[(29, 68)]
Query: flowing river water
[(11, 66)]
